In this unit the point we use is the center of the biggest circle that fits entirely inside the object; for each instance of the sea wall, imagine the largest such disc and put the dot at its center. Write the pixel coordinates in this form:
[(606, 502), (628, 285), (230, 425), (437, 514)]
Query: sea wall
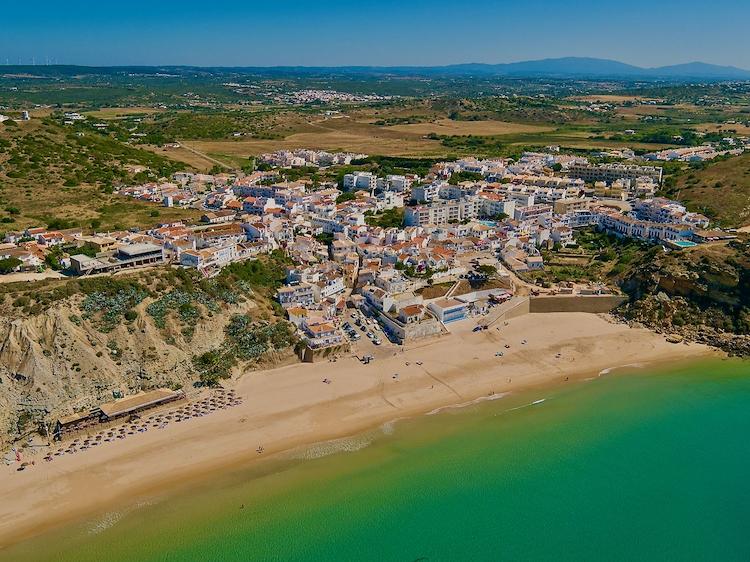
[(518, 306), (595, 304), (309, 355), (428, 327)]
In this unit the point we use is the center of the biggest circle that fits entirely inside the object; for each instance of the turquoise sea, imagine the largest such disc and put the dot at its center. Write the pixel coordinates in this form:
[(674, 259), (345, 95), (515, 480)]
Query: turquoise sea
[(637, 465)]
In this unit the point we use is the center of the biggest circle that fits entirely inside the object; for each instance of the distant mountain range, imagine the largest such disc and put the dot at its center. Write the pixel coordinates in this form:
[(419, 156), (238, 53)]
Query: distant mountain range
[(562, 68), (601, 68)]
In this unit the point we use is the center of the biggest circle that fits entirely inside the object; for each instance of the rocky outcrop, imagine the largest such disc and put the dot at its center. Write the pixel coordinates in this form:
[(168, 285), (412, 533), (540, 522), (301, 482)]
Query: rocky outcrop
[(701, 295)]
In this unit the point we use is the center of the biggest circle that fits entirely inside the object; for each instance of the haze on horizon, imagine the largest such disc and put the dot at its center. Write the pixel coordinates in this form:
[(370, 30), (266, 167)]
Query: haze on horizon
[(382, 33)]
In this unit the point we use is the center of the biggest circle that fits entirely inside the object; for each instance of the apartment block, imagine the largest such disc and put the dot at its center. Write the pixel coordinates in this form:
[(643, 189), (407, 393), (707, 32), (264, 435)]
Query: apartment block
[(591, 173), (360, 180)]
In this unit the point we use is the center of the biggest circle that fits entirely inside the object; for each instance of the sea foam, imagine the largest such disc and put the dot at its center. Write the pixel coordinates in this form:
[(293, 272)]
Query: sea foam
[(628, 366), (479, 400)]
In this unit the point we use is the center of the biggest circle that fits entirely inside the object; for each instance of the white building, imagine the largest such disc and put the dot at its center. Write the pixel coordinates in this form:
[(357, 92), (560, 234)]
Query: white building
[(397, 183), (425, 193), (360, 180), (610, 172), (443, 212), (296, 295)]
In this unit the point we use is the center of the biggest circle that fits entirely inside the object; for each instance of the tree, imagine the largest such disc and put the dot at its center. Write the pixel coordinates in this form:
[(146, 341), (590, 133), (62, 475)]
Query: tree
[(212, 366), (487, 270), (8, 265), (458, 177), (53, 258), (324, 238), (346, 196), (387, 219)]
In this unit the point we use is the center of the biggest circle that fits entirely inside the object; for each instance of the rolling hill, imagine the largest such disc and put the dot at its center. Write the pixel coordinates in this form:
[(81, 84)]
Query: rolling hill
[(564, 67)]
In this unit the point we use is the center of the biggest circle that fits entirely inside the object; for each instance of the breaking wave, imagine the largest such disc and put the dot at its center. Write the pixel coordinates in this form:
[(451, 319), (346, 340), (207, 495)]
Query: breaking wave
[(479, 400)]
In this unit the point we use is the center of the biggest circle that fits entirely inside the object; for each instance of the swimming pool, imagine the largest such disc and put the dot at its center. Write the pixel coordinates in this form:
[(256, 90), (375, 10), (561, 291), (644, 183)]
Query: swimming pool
[(683, 243)]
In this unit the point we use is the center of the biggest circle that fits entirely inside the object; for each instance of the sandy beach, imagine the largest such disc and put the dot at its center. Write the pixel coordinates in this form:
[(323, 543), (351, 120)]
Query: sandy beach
[(291, 406)]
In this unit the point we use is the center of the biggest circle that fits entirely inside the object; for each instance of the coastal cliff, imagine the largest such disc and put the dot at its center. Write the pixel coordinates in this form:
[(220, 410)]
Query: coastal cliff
[(702, 294), (55, 361), (62, 353)]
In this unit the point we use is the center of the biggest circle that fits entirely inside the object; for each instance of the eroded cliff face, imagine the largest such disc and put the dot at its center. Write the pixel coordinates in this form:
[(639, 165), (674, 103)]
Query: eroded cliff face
[(702, 294), (56, 362)]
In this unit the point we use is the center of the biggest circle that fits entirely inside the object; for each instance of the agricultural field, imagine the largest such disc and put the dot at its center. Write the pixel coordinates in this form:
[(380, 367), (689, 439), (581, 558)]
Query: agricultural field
[(725, 128), (451, 127), (120, 112), (328, 134), (607, 98), (361, 131)]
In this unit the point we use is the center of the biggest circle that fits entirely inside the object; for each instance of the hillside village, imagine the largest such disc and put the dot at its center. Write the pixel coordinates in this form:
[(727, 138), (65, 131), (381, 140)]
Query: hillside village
[(381, 243)]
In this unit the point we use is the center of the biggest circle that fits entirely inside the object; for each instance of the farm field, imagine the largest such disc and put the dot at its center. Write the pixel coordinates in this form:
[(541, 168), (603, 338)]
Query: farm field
[(739, 128), (339, 134), (608, 98), (194, 158), (118, 112), (408, 140), (451, 127)]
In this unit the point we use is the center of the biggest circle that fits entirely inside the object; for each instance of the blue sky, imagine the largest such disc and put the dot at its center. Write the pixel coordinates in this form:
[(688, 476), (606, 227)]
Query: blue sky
[(362, 32)]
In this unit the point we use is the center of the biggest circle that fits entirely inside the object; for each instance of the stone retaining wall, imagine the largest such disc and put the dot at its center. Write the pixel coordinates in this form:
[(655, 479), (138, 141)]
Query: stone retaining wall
[(595, 304)]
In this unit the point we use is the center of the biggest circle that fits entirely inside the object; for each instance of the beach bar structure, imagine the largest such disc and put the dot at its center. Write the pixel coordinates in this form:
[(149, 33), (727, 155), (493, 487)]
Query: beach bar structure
[(74, 423), (137, 403), (111, 411)]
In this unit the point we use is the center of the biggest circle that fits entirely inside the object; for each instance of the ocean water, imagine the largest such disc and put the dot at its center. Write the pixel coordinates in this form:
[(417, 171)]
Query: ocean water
[(635, 465)]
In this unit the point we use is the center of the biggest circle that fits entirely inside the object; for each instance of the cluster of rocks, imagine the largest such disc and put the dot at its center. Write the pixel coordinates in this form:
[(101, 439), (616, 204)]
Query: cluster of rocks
[(657, 312)]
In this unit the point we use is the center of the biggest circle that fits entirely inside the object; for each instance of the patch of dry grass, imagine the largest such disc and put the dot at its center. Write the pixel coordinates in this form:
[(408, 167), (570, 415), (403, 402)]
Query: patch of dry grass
[(118, 112), (739, 128), (721, 190), (450, 127), (183, 155), (607, 98), (330, 134)]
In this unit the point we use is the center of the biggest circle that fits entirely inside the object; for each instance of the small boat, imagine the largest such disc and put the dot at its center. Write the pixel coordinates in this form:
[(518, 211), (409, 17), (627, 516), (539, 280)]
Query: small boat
[(535, 402)]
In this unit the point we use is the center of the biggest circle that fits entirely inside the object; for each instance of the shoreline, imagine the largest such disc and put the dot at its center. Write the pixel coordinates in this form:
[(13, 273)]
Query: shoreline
[(289, 408)]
